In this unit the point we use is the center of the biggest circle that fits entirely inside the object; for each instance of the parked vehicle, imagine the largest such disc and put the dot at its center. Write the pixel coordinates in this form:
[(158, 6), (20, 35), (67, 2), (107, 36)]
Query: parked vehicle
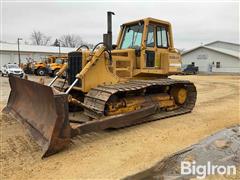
[(27, 68), (190, 69), (12, 69), (41, 67), (54, 67)]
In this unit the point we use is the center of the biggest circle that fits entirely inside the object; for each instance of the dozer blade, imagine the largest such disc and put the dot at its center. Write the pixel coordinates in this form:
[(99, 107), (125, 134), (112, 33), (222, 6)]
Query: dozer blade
[(44, 114)]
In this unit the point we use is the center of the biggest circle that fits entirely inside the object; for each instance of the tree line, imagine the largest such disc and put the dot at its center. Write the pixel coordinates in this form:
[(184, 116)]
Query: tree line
[(67, 40)]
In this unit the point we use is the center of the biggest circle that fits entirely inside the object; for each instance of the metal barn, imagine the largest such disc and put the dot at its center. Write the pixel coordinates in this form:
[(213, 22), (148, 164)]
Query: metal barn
[(217, 56)]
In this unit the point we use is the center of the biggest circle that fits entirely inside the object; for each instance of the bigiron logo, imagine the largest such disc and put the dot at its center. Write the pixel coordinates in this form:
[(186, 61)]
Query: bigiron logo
[(201, 171)]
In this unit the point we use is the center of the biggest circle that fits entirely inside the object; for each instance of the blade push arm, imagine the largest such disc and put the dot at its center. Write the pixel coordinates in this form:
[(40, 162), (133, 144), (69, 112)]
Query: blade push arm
[(95, 72)]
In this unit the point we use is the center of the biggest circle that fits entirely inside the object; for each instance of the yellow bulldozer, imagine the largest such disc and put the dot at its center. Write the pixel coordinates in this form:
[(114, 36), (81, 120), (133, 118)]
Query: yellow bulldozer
[(108, 87)]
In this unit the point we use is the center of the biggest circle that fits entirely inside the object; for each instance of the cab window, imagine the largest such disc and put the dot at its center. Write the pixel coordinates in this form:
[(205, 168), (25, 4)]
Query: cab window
[(150, 36), (132, 36), (59, 61), (162, 37)]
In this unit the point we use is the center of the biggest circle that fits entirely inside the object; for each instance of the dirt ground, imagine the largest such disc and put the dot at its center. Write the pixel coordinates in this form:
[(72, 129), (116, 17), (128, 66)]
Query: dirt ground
[(117, 154), (221, 149)]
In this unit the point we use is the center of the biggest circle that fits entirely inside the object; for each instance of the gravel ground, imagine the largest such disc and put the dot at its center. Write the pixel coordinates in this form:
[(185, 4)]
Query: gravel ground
[(117, 154), (221, 149)]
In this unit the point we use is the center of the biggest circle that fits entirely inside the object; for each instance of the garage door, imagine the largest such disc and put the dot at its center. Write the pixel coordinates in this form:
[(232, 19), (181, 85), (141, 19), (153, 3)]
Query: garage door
[(4, 59)]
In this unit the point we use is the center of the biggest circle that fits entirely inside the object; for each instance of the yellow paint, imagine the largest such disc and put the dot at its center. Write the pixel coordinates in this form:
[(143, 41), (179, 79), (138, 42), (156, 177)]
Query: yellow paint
[(182, 95), (96, 72), (126, 63)]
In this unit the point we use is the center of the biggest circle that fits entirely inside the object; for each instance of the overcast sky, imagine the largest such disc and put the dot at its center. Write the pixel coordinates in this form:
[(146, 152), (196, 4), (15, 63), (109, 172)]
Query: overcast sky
[(193, 23)]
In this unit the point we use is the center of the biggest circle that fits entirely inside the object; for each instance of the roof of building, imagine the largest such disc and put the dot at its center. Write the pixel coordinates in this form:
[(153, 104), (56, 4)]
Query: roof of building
[(235, 44), (217, 49), (34, 48)]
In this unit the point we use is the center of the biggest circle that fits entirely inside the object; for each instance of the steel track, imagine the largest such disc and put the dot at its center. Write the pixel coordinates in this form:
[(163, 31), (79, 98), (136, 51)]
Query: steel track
[(97, 98)]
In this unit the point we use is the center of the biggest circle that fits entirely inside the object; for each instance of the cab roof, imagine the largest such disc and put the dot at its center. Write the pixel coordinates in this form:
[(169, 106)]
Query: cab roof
[(158, 21)]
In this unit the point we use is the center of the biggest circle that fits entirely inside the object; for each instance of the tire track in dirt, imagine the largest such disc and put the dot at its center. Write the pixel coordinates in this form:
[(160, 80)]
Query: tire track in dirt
[(217, 93)]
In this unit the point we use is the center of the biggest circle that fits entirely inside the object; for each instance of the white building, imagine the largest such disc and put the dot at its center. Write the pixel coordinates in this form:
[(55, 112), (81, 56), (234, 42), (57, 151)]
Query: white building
[(217, 56), (9, 52)]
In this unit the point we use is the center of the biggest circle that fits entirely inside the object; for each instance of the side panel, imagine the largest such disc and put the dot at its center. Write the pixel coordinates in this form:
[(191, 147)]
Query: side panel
[(96, 72)]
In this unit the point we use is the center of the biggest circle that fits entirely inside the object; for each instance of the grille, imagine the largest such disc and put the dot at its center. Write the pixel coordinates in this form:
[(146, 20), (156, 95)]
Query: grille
[(17, 71), (74, 66)]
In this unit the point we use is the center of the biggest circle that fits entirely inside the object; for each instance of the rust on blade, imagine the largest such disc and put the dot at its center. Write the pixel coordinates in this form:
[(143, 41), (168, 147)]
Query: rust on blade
[(45, 115)]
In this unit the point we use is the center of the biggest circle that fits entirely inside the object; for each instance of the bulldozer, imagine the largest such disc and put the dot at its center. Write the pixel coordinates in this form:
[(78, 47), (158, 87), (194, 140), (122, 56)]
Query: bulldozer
[(108, 87)]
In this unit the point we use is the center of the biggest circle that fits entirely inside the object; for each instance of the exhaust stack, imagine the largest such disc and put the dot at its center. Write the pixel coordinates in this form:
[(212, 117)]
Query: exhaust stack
[(107, 38)]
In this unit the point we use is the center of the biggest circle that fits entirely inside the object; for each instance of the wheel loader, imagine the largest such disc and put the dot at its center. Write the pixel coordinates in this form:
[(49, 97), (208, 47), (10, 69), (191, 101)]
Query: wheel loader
[(40, 68), (54, 67), (108, 87)]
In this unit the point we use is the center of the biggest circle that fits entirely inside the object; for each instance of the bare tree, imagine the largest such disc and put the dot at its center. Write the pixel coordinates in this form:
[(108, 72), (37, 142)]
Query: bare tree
[(71, 40), (56, 43), (38, 38), (90, 45)]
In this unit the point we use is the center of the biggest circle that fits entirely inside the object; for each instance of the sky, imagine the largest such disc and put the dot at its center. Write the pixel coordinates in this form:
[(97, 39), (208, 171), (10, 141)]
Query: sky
[(194, 23)]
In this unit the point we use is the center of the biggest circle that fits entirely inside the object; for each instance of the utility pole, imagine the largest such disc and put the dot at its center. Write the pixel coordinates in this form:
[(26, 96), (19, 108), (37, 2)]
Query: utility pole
[(59, 48), (19, 58), (58, 44)]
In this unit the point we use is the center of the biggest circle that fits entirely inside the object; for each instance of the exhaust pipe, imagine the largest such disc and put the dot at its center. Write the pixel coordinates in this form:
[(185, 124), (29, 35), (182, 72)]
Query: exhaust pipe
[(107, 38)]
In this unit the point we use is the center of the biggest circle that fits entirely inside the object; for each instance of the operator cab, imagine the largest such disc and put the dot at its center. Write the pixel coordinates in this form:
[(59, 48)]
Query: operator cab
[(152, 43), (156, 34)]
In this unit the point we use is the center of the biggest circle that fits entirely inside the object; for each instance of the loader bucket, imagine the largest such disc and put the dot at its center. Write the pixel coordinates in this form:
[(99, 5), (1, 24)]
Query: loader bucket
[(44, 114)]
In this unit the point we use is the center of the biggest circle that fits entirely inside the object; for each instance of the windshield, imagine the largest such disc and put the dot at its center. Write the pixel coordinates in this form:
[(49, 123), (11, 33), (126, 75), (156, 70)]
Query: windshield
[(132, 36), (59, 61), (11, 66)]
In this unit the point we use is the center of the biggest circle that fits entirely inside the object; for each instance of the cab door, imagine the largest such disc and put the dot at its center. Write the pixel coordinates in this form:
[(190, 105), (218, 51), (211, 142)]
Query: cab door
[(162, 48), (150, 47)]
